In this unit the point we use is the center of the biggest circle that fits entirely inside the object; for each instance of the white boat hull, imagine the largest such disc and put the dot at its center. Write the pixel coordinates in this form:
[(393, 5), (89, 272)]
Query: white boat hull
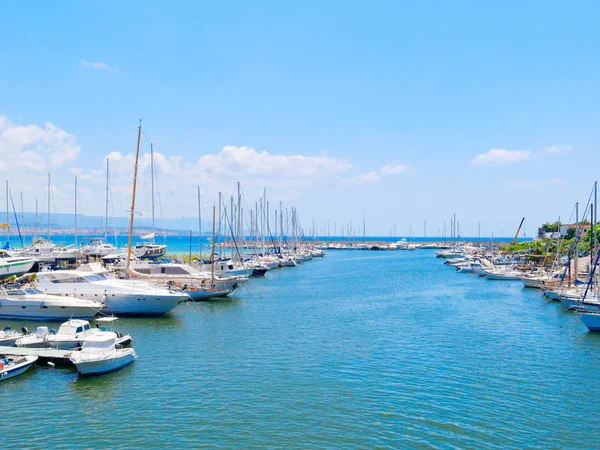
[(532, 283), (501, 276), (99, 366), (15, 266), (16, 311)]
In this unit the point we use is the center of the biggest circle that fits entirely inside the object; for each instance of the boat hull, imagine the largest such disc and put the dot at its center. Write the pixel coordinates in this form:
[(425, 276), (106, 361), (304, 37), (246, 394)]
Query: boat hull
[(202, 295), (97, 367), (532, 283), (11, 370), (591, 321), (40, 313), (10, 268)]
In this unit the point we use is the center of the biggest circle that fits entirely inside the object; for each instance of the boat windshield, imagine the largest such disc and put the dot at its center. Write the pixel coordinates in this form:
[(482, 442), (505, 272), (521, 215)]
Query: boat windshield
[(95, 277), (16, 292), (33, 291), (64, 279)]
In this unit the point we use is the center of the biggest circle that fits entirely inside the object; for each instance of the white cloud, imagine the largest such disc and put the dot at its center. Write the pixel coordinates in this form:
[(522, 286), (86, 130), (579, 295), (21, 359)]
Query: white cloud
[(395, 169), (558, 149), (499, 156), (97, 66), (35, 148), (371, 177), (558, 181)]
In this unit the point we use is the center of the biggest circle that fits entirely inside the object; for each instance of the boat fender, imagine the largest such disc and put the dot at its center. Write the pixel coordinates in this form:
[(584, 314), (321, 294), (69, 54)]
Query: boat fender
[(1, 365)]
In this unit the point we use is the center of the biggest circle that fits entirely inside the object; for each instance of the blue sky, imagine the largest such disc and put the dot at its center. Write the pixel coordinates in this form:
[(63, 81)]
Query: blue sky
[(379, 108)]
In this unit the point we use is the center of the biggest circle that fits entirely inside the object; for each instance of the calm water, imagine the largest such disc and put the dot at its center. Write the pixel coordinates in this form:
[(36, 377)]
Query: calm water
[(181, 244), (355, 350)]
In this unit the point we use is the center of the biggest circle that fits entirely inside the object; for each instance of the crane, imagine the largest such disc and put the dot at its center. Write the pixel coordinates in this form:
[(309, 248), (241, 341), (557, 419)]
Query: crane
[(518, 231)]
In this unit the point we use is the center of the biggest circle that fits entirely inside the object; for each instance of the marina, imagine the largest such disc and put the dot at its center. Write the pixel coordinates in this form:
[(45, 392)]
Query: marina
[(283, 225)]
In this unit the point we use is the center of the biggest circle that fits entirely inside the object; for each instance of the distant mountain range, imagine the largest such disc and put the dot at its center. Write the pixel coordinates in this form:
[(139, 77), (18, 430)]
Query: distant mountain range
[(61, 221)]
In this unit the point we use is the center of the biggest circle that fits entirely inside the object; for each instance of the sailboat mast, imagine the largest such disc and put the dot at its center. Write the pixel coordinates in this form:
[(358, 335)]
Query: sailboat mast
[(131, 213), (199, 224), (36, 218), (231, 221), (219, 232), (7, 214), (212, 255), (22, 212), (576, 262), (75, 212), (152, 177), (48, 206), (106, 204), (239, 211)]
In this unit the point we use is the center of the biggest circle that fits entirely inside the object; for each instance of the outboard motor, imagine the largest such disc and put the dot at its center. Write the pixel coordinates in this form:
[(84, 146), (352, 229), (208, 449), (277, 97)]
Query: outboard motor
[(24, 330), (52, 331)]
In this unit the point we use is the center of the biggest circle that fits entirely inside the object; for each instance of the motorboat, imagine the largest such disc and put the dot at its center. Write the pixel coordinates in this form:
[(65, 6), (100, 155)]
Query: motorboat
[(149, 250), (96, 247), (32, 304), (14, 265), (227, 267), (121, 296), (8, 337), (71, 334), (470, 267), (503, 273), (12, 365), (101, 354), (47, 252)]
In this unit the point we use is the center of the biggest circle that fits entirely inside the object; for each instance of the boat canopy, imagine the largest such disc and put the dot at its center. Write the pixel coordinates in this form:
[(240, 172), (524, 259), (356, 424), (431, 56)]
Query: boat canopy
[(101, 340)]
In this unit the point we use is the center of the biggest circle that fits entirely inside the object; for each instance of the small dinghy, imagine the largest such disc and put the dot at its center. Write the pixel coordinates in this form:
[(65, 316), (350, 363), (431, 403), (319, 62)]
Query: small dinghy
[(101, 354), (11, 366)]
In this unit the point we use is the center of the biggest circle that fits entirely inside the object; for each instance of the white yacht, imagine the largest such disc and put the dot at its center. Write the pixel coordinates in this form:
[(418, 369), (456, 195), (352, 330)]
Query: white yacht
[(121, 297), (97, 247), (33, 304), (46, 252), (101, 354), (227, 267), (148, 250)]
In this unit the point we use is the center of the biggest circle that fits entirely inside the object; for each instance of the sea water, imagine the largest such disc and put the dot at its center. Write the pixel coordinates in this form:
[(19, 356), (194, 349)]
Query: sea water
[(355, 350)]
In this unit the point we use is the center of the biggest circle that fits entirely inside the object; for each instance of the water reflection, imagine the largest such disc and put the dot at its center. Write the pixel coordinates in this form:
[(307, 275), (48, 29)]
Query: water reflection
[(214, 306), (100, 387)]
